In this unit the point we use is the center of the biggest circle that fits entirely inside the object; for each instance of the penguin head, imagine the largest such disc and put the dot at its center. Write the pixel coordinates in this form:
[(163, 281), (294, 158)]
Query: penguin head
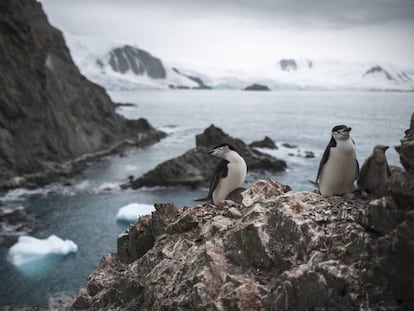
[(221, 150), (341, 132), (380, 149)]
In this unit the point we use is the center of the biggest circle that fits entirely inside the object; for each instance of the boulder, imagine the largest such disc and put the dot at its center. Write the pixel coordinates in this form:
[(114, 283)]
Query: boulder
[(195, 167), (267, 142)]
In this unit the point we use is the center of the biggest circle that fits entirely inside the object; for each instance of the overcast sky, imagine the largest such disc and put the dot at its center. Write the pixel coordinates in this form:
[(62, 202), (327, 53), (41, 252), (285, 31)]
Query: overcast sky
[(235, 32)]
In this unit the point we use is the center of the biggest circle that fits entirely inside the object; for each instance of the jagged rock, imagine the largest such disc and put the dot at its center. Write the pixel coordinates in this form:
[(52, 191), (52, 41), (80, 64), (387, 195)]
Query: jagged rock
[(257, 87), (277, 250), (398, 246), (139, 62), (51, 116), (14, 222), (195, 167), (267, 142), (289, 65), (199, 81)]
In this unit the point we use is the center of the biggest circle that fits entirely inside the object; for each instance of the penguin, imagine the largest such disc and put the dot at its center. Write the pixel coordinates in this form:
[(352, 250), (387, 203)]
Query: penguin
[(339, 167), (229, 174), (375, 172)]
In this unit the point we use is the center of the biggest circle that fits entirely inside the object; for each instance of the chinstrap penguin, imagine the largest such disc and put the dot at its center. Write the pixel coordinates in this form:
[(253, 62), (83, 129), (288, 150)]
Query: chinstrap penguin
[(339, 167), (375, 172), (229, 174)]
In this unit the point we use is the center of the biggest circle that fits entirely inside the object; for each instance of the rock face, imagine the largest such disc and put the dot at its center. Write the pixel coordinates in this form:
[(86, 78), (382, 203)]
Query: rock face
[(199, 81), (14, 222), (277, 250), (400, 243), (50, 114), (195, 167), (288, 65), (378, 70), (137, 61), (257, 87)]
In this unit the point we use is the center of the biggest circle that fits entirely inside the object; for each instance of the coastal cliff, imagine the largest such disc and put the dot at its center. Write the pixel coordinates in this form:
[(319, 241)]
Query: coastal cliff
[(51, 116), (276, 250)]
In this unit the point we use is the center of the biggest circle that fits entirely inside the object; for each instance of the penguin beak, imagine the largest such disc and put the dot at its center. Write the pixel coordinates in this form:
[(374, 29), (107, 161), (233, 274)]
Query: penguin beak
[(210, 152), (348, 129)]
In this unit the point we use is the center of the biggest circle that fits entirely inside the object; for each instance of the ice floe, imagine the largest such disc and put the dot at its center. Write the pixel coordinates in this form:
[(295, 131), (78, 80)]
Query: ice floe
[(132, 212), (28, 249)]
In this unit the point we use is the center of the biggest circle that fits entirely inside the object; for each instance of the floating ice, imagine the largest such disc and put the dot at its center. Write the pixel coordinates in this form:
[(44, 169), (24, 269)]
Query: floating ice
[(132, 212), (29, 249)]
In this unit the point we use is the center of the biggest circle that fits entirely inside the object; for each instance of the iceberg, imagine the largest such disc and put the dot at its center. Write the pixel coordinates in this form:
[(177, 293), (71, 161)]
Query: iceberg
[(132, 212), (28, 249)]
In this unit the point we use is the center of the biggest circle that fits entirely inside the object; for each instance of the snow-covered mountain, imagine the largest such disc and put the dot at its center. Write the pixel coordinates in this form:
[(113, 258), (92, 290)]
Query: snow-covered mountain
[(118, 66), (122, 66), (341, 75)]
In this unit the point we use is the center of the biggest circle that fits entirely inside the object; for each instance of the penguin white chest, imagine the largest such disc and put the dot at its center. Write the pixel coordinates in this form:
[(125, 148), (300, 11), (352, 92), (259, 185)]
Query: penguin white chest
[(237, 170), (339, 172)]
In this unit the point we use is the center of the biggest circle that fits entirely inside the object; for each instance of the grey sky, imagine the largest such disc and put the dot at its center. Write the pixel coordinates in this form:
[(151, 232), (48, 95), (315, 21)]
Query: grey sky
[(232, 32)]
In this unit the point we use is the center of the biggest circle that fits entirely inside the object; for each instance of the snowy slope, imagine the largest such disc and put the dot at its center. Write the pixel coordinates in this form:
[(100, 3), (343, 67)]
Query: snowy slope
[(118, 66)]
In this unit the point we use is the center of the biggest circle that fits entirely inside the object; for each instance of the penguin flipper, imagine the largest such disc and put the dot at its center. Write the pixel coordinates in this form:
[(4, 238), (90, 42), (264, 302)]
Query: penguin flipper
[(221, 171), (325, 156), (363, 173), (357, 169)]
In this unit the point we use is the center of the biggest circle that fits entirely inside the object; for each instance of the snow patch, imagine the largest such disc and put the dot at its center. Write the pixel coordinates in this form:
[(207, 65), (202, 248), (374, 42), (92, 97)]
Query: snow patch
[(132, 212), (28, 249)]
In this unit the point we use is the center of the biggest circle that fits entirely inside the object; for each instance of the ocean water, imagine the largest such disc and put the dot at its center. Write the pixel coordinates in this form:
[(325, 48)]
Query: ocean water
[(83, 208)]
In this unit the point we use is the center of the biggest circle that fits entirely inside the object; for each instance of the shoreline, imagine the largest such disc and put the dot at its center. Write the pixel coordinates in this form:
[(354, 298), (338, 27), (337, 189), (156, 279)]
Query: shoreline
[(74, 166)]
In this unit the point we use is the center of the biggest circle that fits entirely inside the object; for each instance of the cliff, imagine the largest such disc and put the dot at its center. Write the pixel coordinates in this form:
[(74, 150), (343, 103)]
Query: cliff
[(51, 116), (276, 250)]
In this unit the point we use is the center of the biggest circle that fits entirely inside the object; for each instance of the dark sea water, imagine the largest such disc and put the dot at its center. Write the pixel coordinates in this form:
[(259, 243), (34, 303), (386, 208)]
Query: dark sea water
[(85, 210)]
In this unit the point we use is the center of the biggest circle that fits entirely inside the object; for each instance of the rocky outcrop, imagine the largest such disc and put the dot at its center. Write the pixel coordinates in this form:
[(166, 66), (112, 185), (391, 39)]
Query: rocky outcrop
[(139, 62), (199, 81), (267, 142), (276, 250), (14, 222), (399, 244), (50, 115), (195, 167), (288, 65), (257, 87), (378, 70)]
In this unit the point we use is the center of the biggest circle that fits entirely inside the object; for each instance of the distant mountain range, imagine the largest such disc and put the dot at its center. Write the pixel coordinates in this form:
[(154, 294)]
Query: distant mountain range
[(123, 66)]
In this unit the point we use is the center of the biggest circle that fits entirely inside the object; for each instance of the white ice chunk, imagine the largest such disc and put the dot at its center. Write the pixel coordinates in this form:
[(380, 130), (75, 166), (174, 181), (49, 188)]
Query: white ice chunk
[(29, 249), (132, 212)]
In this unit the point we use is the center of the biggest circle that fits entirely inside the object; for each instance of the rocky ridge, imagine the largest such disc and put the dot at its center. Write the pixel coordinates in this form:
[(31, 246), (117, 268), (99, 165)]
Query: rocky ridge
[(51, 116), (276, 250), (195, 167)]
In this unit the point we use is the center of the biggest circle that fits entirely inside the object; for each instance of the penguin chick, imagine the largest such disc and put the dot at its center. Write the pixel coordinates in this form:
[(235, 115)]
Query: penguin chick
[(339, 167), (375, 172)]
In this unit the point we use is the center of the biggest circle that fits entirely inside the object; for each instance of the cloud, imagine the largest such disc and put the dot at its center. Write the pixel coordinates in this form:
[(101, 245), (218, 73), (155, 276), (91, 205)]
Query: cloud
[(332, 13), (208, 31)]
